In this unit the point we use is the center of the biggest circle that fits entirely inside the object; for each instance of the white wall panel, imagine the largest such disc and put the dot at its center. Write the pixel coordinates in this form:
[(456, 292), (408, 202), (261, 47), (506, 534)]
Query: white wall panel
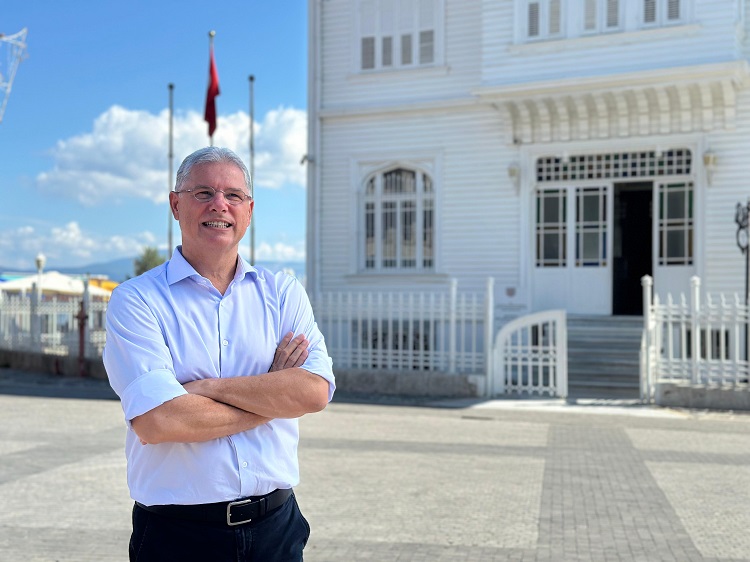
[(477, 208)]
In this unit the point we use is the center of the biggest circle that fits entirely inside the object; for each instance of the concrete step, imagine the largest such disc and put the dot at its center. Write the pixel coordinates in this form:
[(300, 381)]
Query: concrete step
[(604, 356), (603, 353)]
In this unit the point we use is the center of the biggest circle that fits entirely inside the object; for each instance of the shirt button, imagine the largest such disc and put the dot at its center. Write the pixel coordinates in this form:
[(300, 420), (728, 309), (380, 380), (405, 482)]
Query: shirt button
[(244, 465), (225, 342)]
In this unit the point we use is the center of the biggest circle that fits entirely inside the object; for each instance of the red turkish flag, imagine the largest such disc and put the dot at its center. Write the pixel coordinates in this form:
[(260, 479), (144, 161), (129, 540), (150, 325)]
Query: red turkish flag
[(213, 91)]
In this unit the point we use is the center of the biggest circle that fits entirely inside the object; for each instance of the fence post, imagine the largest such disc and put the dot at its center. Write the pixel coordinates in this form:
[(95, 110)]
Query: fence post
[(452, 327), (695, 308), (6, 336), (36, 318), (561, 353), (647, 283), (489, 331)]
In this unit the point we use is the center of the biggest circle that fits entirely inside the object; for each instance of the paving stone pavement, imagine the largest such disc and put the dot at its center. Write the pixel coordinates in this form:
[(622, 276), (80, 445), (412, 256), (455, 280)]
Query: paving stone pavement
[(383, 480)]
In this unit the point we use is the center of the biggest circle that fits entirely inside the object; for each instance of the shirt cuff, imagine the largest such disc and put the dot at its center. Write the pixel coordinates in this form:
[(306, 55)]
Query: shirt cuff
[(321, 366), (148, 391)]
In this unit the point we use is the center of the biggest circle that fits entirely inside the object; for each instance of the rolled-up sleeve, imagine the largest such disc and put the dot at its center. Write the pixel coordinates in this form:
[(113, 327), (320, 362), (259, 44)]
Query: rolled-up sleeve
[(136, 357), (297, 316)]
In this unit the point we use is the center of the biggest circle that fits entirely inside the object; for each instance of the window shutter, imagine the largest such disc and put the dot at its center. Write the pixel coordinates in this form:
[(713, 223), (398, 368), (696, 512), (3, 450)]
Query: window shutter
[(533, 30), (406, 49), (387, 54), (589, 17), (649, 11), (368, 53), (673, 10), (426, 47), (554, 17), (613, 14)]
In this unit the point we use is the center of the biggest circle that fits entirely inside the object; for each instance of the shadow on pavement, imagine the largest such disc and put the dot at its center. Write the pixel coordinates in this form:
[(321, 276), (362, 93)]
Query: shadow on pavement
[(29, 383)]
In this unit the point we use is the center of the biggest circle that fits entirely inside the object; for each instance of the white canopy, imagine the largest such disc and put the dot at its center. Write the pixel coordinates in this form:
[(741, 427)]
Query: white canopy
[(53, 283)]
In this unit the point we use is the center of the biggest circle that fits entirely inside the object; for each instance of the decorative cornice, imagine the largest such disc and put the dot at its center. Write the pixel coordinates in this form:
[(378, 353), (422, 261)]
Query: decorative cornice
[(668, 101)]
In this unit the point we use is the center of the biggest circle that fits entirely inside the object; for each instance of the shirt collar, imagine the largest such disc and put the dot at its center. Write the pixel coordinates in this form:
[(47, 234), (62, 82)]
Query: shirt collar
[(244, 268), (178, 268)]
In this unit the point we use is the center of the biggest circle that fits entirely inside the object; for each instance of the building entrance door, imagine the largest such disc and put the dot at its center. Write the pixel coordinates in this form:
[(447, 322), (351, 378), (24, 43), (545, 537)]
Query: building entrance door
[(632, 245)]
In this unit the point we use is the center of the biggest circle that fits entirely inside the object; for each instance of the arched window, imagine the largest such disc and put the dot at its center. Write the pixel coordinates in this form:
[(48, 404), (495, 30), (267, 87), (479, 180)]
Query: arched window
[(398, 220)]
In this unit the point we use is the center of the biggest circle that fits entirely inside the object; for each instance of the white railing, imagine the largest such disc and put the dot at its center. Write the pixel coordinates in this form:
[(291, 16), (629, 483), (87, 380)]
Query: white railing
[(531, 356), (697, 341), (443, 331), (50, 326)]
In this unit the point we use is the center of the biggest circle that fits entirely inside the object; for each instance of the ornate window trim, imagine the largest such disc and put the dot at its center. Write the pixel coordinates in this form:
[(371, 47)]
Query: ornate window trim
[(397, 215), (618, 165)]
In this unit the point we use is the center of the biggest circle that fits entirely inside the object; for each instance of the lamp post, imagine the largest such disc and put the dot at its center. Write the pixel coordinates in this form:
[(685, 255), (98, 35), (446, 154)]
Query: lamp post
[(40, 260), (743, 241)]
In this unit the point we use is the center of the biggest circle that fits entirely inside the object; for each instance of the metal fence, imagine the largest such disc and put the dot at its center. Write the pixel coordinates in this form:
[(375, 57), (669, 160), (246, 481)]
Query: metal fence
[(50, 324), (440, 330), (698, 340)]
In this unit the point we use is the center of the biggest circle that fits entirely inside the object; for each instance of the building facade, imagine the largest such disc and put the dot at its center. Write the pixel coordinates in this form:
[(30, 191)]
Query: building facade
[(564, 148)]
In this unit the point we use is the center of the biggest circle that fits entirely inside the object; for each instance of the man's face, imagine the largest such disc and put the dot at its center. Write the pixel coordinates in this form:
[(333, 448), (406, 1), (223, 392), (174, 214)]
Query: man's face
[(212, 225)]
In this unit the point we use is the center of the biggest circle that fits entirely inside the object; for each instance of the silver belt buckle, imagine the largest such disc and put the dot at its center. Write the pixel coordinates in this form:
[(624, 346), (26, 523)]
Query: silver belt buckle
[(229, 512)]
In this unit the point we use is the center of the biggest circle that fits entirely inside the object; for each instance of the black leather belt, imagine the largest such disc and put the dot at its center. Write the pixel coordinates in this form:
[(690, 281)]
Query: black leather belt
[(232, 513)]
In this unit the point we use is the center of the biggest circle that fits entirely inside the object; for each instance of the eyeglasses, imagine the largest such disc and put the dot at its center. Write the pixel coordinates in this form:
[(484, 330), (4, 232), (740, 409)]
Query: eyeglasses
[(206, 193)]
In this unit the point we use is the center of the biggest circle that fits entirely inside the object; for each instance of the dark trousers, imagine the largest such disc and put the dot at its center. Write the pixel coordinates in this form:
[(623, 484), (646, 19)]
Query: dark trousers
[(279, 536)]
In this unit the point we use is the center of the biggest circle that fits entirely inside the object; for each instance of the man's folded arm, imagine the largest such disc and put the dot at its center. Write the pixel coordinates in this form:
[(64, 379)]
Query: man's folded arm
[(195, 416), (191, 418), (288, 393)]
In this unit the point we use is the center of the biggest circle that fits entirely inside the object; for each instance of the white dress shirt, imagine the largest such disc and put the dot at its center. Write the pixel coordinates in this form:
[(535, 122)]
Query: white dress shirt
[(170, 326)]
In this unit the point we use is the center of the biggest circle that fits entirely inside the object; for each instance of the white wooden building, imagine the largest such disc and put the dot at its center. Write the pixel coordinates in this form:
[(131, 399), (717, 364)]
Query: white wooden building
[(564, 148)]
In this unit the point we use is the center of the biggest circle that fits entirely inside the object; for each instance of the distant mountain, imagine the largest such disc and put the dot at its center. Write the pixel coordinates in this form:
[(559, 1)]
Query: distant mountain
[(117, 270), (122, 269)]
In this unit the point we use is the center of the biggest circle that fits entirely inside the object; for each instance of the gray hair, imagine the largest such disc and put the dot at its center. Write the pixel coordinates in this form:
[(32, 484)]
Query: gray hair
[(211, 154)]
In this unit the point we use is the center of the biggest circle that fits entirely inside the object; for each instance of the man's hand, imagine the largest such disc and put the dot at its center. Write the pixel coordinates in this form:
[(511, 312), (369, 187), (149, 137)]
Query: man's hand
[(290, 352)]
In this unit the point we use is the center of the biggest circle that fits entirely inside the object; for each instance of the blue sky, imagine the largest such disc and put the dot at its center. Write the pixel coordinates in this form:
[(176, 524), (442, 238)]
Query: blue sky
[(84, 138)]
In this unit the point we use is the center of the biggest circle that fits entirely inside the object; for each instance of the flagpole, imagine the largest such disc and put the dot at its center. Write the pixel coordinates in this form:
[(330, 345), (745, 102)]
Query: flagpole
[(252, 168), (211, 35), (171, 163)]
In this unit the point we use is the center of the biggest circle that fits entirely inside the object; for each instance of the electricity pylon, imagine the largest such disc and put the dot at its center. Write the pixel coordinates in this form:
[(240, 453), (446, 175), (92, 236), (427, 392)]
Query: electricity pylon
[(12, 51)]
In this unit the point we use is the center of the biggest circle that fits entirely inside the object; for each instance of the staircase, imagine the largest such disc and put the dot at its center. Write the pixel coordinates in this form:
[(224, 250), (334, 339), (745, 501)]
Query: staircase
[(603, 356)]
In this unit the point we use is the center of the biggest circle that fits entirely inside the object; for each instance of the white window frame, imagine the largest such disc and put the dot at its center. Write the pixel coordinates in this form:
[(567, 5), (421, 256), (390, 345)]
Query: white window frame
[(630, 18), (571, 229), (378, 199), (679, 224), (662, 8), (601, 16), (596, 228), (391, 25), (546, 24), (552, 231)]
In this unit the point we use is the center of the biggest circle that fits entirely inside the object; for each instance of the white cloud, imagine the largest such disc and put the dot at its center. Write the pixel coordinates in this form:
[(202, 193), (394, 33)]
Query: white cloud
[(68, 245), (280, 252), (72, 245), (124, 156)]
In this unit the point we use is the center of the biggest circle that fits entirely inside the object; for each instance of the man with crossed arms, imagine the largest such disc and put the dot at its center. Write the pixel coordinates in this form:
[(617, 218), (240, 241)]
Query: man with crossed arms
[(214, 360)]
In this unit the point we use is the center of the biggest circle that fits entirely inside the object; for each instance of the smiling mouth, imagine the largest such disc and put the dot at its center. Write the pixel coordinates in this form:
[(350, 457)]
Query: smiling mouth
[(217, 224)]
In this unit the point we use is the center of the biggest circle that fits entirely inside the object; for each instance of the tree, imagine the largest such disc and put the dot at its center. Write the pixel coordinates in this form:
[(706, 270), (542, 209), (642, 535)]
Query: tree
[(149, 259)]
